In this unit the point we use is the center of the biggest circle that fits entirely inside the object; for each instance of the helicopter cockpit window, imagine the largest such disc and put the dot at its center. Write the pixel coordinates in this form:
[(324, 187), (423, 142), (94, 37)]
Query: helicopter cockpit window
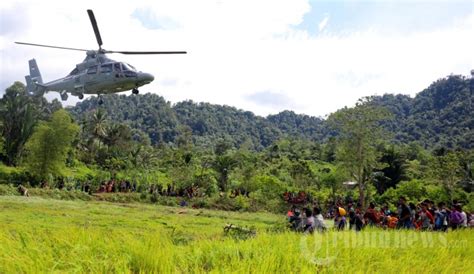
[(117, 67), (74, 72), (92, 70), (129, 67), (106, 68)]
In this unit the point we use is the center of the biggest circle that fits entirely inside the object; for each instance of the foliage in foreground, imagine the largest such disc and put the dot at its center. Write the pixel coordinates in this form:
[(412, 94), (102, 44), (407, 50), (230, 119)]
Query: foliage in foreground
[(50, 143), (56, 236)]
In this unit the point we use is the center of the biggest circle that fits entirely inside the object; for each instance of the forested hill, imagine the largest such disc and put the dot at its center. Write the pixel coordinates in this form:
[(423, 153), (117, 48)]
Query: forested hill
[(440, 115), (162, 122)]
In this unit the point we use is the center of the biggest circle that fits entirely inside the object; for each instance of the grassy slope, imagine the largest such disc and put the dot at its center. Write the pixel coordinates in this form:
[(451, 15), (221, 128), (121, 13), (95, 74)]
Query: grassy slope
[(41, 235)]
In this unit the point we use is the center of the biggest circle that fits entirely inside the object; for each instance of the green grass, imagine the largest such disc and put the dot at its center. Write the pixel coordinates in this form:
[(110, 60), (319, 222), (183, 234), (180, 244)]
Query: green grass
[(52, 236)]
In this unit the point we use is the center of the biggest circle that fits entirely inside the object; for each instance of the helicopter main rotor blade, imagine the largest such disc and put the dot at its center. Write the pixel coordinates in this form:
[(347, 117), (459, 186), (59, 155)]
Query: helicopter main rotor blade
[(47, 46), (95, 27), (146, 52)]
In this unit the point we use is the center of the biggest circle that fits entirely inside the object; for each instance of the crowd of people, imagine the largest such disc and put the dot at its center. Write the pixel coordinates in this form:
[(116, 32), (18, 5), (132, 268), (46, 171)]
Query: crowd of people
[(114, 186), (425, 215)]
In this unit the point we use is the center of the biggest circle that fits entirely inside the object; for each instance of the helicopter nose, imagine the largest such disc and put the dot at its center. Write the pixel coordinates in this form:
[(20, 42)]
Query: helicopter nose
[(148, 77)]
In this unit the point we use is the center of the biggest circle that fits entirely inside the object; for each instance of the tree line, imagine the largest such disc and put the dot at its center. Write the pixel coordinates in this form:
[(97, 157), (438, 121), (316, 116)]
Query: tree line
[(387, 146)]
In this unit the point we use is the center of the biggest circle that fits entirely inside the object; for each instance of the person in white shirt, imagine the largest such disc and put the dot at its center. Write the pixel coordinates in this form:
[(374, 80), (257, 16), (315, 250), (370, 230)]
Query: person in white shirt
[(309, 221), (319, 224), (464, 218)]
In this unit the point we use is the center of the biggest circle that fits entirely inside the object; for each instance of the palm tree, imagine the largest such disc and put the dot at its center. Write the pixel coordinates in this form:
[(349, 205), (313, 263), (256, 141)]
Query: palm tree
[(19, 117), (223, 165), (98, 126)]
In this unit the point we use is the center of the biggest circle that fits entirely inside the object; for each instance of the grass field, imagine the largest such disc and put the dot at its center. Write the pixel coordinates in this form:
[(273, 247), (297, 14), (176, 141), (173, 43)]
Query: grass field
[(52, 236)]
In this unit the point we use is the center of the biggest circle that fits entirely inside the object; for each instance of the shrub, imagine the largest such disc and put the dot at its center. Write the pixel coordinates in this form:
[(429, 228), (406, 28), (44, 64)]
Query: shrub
[(8, 190), (15, 175), (413, 190), (242, 203)]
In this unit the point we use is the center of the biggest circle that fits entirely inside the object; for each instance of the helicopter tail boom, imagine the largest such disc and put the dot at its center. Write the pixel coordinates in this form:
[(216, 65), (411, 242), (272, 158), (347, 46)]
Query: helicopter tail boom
[(34, 81)]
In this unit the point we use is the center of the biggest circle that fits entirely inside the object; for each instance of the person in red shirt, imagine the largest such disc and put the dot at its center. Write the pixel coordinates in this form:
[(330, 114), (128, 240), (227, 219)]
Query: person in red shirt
[(392, 221), (426, 218), (371, 215)]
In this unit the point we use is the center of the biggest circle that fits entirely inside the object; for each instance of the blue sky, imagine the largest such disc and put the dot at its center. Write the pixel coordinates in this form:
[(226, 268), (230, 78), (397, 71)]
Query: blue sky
[(387, 16), (152, 21), (265, 56)]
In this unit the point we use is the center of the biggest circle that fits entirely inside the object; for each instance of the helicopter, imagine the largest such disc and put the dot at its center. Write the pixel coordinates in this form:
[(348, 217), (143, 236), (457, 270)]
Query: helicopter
[(97, 74)]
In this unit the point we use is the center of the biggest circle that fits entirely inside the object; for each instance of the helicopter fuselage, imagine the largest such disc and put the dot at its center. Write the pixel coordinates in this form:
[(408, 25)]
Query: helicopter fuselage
[(100, 78)]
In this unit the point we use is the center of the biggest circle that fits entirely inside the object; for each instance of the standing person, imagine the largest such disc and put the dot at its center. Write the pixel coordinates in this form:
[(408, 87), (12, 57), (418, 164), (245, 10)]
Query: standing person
[(404, 214), (319, 224), (291, 213), (371, 215), (470, 221), (296, 221), (359, 217), (464, 217), (456, 218), (431, 207), (352, 216), (414, 216), (340, 219), (384, 214), (309, 221), (441, 217), (426, 218)]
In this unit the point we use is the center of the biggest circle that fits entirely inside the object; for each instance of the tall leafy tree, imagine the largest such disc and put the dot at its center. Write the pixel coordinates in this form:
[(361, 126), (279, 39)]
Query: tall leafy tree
[(19, 114), (359, 133), (49, 145), (98, 125), (18, 117), (224, 162), (447, 170), (2, 141), (223, 165), (394, 169), (93, 134)]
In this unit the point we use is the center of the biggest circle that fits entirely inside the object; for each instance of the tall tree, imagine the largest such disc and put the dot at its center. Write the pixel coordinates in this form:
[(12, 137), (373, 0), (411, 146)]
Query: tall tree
[(223, 165), (19, 114), (19, 117), (49, 144), (447, 170), (359, 133), (394, 170), (98, 125), (2, 140), (224, 162)]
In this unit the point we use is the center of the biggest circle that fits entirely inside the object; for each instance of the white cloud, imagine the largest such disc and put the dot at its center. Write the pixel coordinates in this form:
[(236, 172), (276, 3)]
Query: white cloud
[(236, 49), (323, 23)]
